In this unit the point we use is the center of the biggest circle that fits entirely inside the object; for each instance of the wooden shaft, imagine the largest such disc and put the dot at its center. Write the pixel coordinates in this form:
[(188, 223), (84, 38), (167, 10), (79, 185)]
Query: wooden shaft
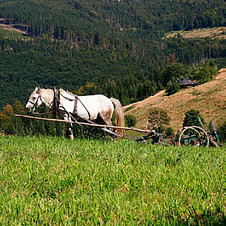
[(83, 123)]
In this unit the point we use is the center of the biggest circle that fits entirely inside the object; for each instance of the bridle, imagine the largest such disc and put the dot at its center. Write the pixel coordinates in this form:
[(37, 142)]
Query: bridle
[(34, 103), (56, 102)]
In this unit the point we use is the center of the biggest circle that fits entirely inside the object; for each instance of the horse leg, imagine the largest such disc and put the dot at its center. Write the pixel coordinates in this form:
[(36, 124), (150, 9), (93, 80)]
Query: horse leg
[(106, 116), (68, 118), (108, 122)]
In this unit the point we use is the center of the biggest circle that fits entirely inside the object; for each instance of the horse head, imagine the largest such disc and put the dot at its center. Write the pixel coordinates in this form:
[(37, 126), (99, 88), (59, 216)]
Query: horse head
[(34, 100)]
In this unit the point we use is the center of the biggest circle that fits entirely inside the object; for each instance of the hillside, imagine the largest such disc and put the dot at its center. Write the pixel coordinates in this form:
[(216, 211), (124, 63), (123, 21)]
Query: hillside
[(63, 18), (208, 98), (101, 46)]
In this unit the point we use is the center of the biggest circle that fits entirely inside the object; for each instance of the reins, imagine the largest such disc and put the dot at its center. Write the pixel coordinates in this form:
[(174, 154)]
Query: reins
[(57, 105)]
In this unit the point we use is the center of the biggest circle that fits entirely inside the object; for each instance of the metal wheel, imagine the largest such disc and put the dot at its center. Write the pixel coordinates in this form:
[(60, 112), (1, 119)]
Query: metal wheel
[(177, 135), (194, 136)]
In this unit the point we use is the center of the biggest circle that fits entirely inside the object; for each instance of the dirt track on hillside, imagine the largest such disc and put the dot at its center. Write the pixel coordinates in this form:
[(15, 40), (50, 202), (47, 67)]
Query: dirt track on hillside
[(11, 28)]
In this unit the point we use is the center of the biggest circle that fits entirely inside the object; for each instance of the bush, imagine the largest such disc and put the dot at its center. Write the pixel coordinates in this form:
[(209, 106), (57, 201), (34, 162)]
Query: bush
[(157, 118), (130, 120), (168, 131), (173, 71), (172, 87), (9, 124), (222, 132), (205, 73), (193, 118), (7, 119)]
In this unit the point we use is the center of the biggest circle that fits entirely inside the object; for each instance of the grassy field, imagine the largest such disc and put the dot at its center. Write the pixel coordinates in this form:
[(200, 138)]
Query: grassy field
[(47, 180), (213, 33)]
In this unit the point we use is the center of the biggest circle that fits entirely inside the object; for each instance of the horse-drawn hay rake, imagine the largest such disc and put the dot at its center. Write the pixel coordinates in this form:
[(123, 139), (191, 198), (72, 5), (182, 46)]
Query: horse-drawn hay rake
[(186, 136), (88, 108)]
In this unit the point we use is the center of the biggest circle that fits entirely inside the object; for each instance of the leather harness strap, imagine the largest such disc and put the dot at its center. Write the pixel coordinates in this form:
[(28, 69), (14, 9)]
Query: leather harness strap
[(83, 106), (75, 111), (76, 105), (75, 101), (56, 103)]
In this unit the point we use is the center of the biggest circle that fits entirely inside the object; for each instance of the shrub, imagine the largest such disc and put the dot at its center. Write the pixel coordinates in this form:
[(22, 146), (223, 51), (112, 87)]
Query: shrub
[(222, 132), (172, 87), (168, 131), (6, 119), (157, 118), (173, 71), (130, 120), (205, 73), (193, 118)]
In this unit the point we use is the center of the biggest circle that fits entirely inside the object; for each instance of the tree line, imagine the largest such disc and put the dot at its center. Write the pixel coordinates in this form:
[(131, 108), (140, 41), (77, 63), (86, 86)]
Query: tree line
[(128, 74), (90, 20)]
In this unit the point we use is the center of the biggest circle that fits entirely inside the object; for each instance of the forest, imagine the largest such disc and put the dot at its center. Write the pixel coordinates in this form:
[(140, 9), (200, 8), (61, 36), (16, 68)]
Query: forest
[(111, 47)]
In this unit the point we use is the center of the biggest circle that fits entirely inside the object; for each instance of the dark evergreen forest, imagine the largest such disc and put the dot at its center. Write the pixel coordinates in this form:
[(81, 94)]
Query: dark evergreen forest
[(110, 47)]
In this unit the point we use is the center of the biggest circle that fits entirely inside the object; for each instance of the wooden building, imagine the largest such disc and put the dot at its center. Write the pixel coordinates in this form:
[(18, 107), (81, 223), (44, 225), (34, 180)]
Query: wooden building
[(186, 82)]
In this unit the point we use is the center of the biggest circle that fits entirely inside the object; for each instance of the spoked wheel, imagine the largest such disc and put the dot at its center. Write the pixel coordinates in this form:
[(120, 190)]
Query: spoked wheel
[(177, 135), (194, 136)]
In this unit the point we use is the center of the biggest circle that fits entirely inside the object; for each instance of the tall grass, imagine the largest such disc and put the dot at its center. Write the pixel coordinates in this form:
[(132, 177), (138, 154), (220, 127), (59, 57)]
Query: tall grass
[(47, 180)]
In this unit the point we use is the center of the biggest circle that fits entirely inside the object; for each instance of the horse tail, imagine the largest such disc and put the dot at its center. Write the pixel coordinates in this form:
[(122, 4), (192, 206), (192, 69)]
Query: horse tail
[(119, 116)]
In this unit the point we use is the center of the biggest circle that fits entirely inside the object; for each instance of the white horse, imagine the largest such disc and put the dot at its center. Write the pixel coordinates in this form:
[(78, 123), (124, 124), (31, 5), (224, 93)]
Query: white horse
[(86, 107)]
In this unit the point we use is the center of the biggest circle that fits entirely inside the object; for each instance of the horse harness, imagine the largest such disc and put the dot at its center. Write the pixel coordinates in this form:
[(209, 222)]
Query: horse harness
[(56, 107), (36, 102), (56, 103)]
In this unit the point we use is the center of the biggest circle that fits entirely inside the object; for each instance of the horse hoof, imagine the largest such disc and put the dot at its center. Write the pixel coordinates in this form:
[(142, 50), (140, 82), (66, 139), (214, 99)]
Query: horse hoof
[(71, 137)]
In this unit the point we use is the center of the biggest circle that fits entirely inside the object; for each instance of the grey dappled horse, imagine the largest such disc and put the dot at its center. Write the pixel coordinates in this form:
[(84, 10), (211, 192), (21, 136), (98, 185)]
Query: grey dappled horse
[(87, 107)]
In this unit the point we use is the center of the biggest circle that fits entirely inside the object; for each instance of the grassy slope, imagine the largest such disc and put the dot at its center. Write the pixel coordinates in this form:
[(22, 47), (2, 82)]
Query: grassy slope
[(217, 32), (208, 98), (50, 180), (6, 31)]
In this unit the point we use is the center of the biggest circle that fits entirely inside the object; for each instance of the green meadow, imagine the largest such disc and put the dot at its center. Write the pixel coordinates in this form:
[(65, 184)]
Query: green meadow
[(56, 181)]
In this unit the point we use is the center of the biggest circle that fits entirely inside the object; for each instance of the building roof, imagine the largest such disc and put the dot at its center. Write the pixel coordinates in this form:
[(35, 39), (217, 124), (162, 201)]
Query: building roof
[(185, 82)]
